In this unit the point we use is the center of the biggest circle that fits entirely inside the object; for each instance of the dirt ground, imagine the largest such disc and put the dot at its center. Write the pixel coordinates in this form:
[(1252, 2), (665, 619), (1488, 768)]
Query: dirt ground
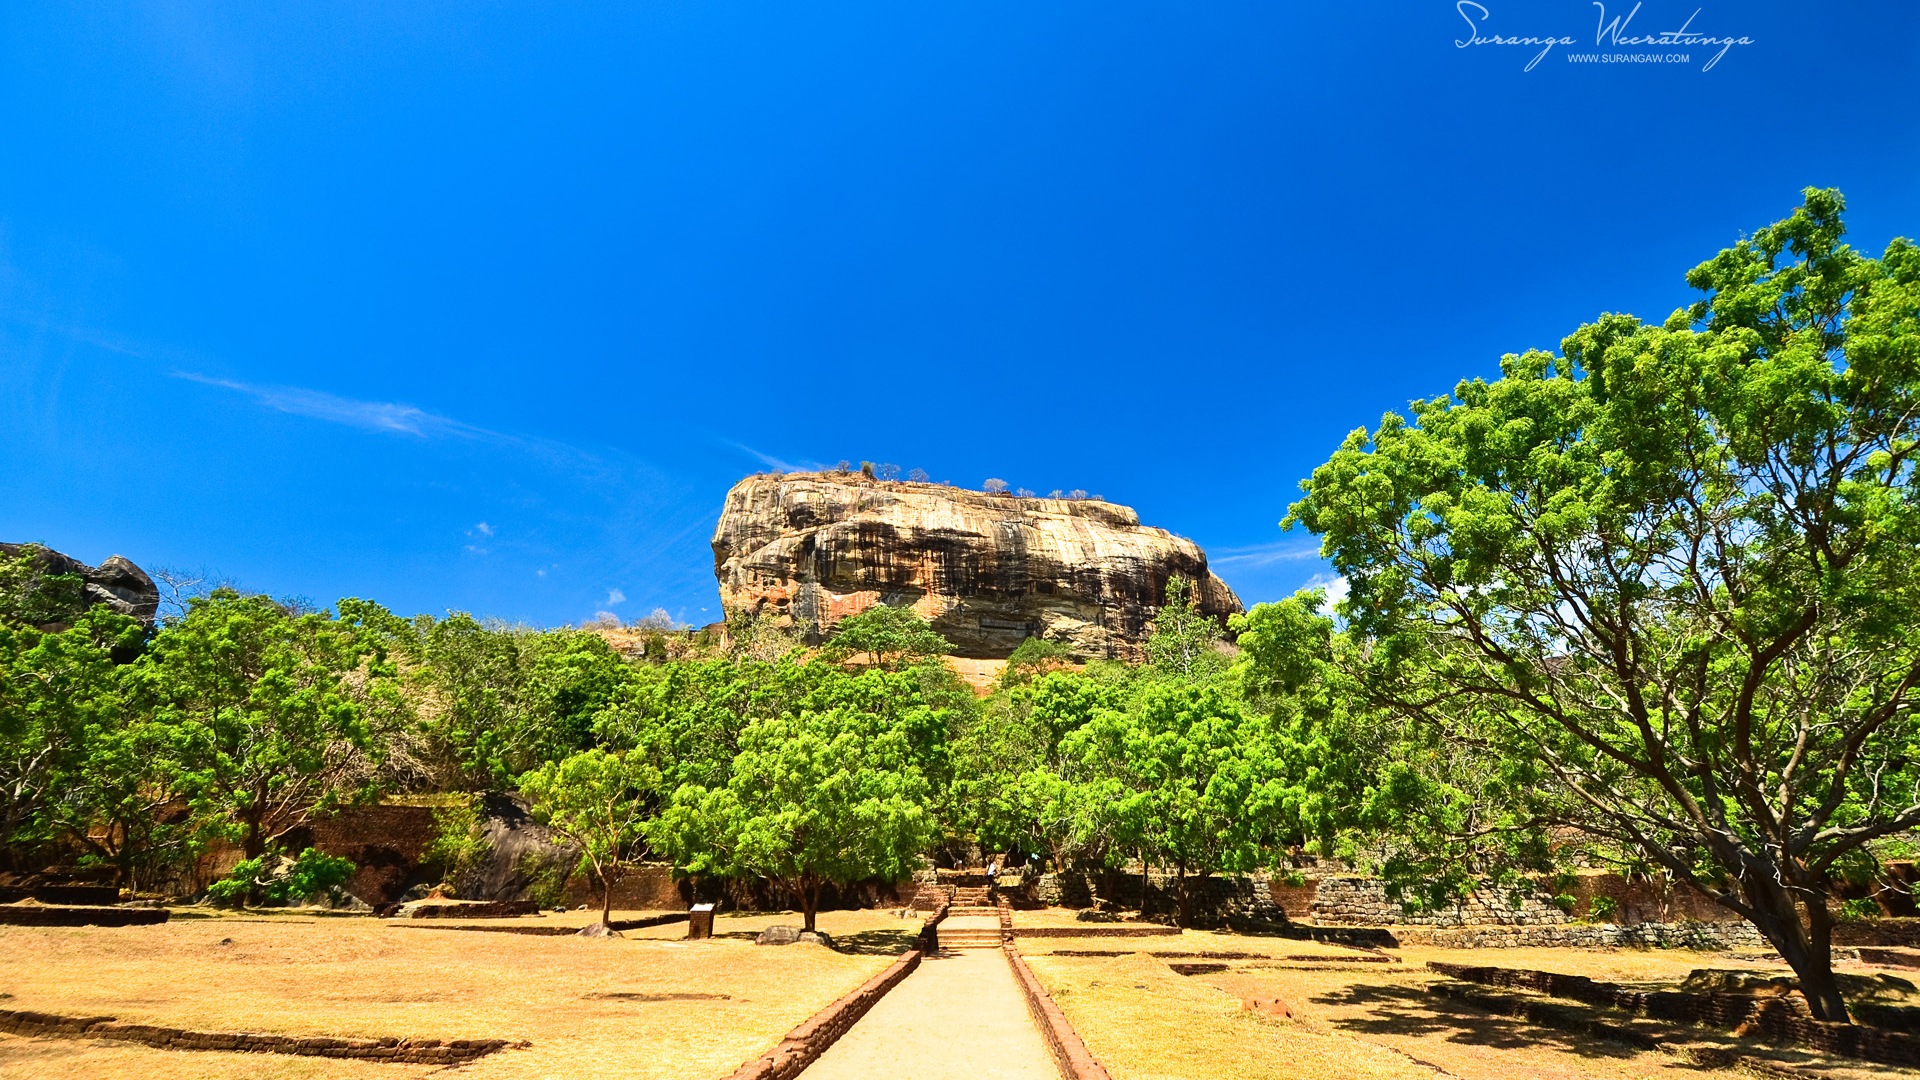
[(1354, 1016), (645, 1006)]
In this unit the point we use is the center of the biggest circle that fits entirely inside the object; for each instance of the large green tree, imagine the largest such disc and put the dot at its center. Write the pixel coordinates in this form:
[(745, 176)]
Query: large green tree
[(602, 803), (833, 787), (61, 698), (1675, 570), (1190, 779), (497, 700), (276, 715)]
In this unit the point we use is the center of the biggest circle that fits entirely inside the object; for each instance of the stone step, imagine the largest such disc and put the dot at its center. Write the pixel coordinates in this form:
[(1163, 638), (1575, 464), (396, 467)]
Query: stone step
[(964, 910), (970, 939)]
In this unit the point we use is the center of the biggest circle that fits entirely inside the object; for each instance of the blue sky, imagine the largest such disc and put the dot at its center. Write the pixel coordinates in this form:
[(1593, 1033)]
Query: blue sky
[(484, 306)]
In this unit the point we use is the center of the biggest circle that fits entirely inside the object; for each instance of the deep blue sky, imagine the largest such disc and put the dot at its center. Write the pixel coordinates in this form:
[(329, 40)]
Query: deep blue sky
[(306, 295)]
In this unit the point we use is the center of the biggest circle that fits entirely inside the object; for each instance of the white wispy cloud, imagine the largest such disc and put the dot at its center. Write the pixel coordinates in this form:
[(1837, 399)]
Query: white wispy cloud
[(483, 529), (1263, 554), (386, 416), (776, 463), (615, 596)]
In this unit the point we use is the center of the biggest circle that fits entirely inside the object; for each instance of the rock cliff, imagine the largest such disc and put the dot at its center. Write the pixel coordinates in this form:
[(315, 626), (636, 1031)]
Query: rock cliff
[(988, 571)]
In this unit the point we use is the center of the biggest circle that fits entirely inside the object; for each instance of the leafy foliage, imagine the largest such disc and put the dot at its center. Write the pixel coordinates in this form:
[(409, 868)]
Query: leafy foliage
[(601, 802), (459, 839), (272, 878), (30, 595), (1660, 589), (274, 715), (1183, 642), (831, 785), (887, 636)]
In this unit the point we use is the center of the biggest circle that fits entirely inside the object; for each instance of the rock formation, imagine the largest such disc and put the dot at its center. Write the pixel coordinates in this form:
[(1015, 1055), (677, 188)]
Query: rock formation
[(987, 570), (117, 583)]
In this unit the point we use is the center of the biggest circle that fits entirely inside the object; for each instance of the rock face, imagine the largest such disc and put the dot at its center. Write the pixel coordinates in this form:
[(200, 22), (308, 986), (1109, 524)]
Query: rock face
[(117, 582), (988, 571)]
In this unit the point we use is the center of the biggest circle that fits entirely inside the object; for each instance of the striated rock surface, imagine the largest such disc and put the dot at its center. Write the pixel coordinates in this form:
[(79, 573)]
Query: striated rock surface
[(988, 571), (117, 583)]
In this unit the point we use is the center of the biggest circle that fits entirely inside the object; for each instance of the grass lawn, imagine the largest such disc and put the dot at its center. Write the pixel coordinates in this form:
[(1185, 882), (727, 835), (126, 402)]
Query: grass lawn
[(648, 1007), (1354, 1019)]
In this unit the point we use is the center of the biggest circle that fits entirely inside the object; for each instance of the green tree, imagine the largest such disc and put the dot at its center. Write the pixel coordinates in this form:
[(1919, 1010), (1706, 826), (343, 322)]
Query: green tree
[(1190, 780), (832, 789), (1033, 658), (498, 700), (1672, 572), (759, 636), (602, 802), (1182, 642), (277, 715), (889, 637), (59, 692)]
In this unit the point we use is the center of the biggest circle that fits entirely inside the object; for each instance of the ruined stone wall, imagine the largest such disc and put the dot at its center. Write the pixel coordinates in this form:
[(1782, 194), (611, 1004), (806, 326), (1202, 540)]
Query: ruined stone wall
[(1571, 935), (1212, 901), (1359, 901)]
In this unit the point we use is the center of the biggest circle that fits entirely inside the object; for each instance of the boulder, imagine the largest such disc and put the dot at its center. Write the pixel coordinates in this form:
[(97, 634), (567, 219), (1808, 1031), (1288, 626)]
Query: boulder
[(116, 583), (986, 570), (597, 930), (778, 935)]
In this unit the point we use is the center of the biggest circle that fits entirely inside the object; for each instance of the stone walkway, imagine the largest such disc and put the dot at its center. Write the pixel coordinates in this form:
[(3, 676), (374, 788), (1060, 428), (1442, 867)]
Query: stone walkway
[(959, 1016)]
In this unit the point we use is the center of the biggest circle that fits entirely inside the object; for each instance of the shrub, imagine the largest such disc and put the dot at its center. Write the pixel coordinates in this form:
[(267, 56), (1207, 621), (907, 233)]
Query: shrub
[(273, 878), (1856, 910), (458, 842), (1603, 909)]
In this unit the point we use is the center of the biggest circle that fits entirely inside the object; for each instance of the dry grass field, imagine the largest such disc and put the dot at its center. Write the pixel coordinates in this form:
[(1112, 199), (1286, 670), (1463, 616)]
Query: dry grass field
[(645, 1007), (1356, 1019), (651, 1006)]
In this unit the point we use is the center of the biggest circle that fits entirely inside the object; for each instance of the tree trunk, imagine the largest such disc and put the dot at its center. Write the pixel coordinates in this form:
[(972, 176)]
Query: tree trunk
[(809, 902), (253, 843), (606, 900), (1807, 948), (1180, 911), (1143, 883)]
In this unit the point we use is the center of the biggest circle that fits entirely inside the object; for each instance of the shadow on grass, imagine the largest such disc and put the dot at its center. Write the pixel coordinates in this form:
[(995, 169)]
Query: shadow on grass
[(878, 942), (1410, 1011)]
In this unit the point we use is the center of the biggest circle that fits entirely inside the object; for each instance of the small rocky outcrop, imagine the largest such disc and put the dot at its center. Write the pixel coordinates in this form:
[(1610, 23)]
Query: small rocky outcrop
[(987, 570), (116, 583)]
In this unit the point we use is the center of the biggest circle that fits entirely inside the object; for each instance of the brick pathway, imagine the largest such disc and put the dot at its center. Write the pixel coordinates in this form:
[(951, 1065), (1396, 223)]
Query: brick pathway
[(959, 1016)]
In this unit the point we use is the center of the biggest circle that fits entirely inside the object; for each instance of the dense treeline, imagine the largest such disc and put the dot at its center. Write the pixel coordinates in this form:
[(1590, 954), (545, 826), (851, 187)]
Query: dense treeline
[(745, 754)]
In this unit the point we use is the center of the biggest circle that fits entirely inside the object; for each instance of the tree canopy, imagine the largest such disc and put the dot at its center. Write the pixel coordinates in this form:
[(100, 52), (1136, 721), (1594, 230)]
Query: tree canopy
[(1665, 581)]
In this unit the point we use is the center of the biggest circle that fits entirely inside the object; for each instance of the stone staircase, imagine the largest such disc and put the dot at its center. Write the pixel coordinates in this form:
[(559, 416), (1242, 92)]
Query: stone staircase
[(930, 898), (969, 937), (967, 924), (972, 900)]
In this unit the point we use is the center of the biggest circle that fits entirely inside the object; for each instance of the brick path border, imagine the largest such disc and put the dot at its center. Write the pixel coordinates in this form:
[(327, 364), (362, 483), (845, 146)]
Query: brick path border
[(394, 1050), (804, 1044), (1070, 1053)]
